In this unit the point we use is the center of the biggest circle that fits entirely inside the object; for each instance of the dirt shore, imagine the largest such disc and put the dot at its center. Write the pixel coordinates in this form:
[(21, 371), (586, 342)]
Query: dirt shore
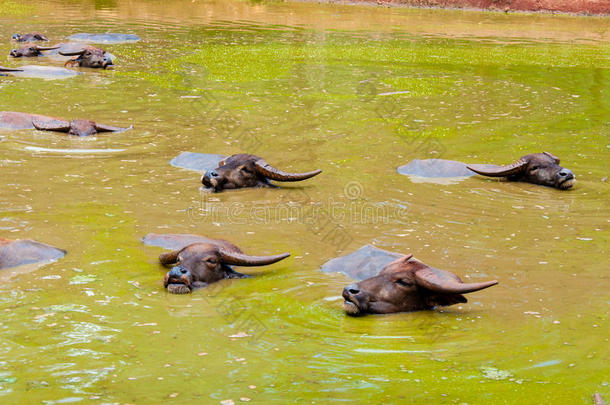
[(589, 7)]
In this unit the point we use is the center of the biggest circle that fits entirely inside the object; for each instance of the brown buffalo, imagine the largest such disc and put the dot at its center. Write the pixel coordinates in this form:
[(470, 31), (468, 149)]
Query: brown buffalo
[(536, 168), (17, 120), (245, 170), (31, 37), (31, 51), (202, 263), (88, 56), (404, 285), (19, 252)]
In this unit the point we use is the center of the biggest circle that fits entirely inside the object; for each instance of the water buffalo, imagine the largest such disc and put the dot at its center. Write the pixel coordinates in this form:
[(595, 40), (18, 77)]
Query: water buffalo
[(536, 168), (203, 262), (17, 120), (15, 253), (245, 170), (31, 50), (88, 56), (31, 37), (404, 285)]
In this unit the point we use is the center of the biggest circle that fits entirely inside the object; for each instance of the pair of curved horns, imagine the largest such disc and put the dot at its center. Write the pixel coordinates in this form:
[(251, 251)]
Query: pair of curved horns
[(448, 283), (501, 171), (270, 172)]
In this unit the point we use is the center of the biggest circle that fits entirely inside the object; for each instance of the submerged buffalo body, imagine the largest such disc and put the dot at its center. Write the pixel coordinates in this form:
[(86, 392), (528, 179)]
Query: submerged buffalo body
[(201, 261), (30, 37), (15, 253), (404, 284), (245, 170), (17, 120), (536, 168)]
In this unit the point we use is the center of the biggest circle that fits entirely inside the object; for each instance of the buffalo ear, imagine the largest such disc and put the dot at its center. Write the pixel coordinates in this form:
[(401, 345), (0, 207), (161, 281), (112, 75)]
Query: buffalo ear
[(500, 171), (110, 128), (555, 158), (50, 124), (222, 162), (169, 258)]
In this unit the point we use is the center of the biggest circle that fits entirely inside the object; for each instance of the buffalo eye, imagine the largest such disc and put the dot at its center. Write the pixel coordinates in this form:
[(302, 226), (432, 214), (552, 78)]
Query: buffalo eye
[(403, 283), (534, 168), (246, 170), (211, 261)]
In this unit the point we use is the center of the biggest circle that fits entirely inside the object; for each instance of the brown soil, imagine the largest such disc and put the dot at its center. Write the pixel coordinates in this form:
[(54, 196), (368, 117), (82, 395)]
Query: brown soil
[(596, 7)]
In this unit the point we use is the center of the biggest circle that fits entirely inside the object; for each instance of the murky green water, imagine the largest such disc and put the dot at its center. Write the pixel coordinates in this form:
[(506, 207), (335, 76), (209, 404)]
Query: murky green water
[(306, 86)]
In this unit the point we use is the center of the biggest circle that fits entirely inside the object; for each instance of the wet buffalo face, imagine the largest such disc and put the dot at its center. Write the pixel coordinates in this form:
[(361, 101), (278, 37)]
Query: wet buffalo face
[(405, 285), (30, 37), (89, 56), (30, 51), (200, 264), (536, 168), (245, 170)]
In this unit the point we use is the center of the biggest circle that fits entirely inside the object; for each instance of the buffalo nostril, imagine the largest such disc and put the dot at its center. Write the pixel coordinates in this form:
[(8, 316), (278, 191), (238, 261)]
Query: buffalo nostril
[(566, 173), (213, 173), (353, 291), (183, 271)]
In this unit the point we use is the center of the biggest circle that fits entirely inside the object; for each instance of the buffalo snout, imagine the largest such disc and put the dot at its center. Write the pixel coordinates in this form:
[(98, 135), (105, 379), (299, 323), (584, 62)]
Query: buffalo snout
[(210, 178), (354, 300), (178, 280)]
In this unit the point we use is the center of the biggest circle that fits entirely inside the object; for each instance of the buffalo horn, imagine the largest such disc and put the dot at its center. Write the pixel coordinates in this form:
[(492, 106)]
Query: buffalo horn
[(72, 53), (270, 172), (240, 259), (501, 171), (50, 125), (445, 282)]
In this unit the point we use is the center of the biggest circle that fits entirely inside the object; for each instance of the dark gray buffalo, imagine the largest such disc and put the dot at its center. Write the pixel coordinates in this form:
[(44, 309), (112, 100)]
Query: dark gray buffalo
[(17, 120)]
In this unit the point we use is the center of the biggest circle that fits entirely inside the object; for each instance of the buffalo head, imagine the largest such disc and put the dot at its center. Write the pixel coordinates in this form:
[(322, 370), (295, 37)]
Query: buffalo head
[(31, 37), (244, 170), (405, 285), (30, 51), (74, 127), (200, 264), (89, 56), (536, 168)]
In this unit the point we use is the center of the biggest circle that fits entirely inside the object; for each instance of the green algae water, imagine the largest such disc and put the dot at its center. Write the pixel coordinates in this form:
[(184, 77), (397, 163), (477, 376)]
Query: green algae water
[(356, 92)]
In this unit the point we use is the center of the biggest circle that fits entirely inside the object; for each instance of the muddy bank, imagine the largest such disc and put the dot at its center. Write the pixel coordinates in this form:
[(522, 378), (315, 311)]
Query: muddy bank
[(591, 7)]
